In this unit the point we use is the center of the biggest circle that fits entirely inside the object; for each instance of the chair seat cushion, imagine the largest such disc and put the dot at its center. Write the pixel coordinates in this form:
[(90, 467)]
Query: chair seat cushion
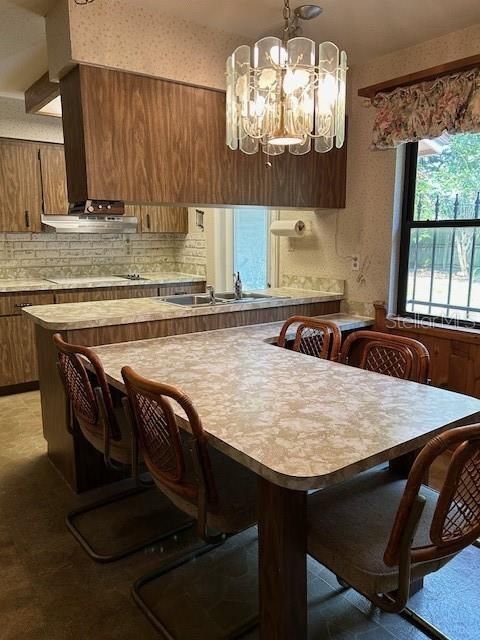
[(235, 509), (350, 524)]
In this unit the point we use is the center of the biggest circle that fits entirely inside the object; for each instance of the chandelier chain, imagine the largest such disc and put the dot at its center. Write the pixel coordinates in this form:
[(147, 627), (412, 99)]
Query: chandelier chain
[(287, 19)]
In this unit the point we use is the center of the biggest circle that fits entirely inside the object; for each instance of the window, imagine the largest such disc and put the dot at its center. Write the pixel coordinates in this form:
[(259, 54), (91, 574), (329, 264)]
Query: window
[(240, 240), (251, 247), (440, 252)]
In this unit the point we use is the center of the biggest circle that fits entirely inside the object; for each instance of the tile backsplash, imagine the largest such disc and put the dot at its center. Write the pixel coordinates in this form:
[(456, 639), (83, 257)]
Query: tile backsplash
[(27, 255)]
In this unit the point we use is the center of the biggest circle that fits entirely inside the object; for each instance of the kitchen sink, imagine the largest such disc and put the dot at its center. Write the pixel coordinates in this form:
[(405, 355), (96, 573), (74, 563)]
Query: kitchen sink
[(220, 298), (190, 301), (246, 297)]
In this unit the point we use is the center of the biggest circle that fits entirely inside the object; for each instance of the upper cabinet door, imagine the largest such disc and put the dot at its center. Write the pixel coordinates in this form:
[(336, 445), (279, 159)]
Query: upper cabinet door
[(164, 219), (54, 180), (179, 153), (20, 187)]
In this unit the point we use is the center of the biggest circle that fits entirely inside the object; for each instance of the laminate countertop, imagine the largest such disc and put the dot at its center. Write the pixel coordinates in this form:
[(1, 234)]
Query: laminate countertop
[(299, 421), (83, 315), (92, 282)]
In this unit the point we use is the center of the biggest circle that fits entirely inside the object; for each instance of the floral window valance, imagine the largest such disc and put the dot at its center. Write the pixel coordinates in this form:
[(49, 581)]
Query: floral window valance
[(427, 109)]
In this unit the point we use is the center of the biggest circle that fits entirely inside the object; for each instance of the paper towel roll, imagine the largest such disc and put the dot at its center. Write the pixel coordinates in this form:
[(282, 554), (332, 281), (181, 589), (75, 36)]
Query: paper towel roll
[(288, 228)]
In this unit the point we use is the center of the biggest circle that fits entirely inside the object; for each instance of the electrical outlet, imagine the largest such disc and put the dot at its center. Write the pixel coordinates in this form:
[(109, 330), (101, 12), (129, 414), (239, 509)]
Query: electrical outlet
[(355, 263)]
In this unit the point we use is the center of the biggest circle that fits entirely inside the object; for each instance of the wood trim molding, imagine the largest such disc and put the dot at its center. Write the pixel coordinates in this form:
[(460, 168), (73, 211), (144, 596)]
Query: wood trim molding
[(421, 76), (40, 93)]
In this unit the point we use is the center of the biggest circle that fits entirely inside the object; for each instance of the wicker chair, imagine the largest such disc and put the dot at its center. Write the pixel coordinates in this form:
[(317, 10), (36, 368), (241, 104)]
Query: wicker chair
[(207, 485), (93, 415), (319, 338), (379, 532), (386, 353)]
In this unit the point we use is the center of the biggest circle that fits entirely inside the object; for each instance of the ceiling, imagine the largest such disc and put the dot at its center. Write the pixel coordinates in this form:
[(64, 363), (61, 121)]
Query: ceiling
[(365, 28), (23, 52)]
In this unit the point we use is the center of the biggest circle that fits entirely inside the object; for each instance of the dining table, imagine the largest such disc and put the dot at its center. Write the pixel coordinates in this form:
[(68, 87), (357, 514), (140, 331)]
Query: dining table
[(299, 423)]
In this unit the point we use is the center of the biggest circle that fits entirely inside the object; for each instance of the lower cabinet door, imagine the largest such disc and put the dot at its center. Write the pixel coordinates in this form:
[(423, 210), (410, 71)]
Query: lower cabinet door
[(18, 356)]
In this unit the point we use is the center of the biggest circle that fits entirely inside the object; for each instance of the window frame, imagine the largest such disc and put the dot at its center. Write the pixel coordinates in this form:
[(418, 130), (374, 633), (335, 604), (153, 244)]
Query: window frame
[(407, 225)]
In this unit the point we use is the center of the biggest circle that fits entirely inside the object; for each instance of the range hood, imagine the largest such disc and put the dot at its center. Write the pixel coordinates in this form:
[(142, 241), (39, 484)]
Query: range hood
[(92, 216)]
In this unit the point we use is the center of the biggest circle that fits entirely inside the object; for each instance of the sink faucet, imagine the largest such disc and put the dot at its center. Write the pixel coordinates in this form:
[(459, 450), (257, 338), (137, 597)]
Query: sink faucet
[(211, 293), (237, 285)]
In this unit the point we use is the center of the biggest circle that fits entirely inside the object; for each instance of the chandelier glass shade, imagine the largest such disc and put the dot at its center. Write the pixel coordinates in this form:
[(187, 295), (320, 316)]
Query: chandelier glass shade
[(280, 94)]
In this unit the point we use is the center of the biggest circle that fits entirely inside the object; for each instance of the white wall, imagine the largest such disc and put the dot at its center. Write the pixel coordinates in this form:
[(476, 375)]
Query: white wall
[(15, 123), (365, 226), (121, 34)]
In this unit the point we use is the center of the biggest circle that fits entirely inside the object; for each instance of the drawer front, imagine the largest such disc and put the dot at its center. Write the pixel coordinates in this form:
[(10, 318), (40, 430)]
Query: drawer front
[(94, 295), (11, 304)]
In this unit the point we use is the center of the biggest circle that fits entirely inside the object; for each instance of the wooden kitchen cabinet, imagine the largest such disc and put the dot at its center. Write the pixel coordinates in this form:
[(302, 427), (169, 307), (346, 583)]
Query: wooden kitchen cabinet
[(181, 288), (178, 154), (134, 210), (164, 219), (20, 186), (12, 303), (18, 354), (54, 179), (94, 295)]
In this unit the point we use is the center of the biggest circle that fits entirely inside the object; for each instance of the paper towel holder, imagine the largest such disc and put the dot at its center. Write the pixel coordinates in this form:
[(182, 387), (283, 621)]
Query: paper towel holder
[(293, 230), (288, 228)]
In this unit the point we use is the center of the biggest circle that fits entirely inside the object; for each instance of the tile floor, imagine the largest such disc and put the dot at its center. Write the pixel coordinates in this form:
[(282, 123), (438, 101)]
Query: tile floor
[(50, 589)]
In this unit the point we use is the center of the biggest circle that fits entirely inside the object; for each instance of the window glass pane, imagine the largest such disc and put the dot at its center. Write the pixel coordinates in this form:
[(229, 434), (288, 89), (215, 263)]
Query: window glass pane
[(251, 247), (447, 185), (444, 272), (443, 278)]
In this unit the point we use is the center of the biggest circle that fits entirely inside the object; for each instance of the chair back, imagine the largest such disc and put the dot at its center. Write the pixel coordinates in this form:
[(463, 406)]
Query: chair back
[(158, 435), (80, 391), (455, 522), (313, 337), (392, 355)]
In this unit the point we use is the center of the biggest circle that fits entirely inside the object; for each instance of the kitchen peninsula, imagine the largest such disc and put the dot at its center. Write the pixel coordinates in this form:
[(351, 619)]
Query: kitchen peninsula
[(115, 321)]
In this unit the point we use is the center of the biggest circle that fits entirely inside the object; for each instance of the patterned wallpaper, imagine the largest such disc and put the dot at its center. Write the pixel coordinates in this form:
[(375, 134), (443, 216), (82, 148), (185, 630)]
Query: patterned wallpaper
[(365, 227), (171, 48), (124, 35), (15, 123)]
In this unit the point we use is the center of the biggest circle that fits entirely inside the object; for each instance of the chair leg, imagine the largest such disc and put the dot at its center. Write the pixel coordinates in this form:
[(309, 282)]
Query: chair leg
[(171, 566), (408, 614), (158, 573), (429, 629), (105, 558), (477, 544)]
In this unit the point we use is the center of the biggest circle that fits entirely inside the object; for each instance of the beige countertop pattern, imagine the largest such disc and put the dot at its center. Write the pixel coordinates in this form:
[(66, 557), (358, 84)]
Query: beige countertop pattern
[(91, 282), (81, 315), (301, 422)]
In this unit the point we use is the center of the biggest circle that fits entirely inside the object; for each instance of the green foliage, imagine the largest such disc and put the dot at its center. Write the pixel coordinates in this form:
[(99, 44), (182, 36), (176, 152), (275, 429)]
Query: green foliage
[(447, 186), (455, 170)]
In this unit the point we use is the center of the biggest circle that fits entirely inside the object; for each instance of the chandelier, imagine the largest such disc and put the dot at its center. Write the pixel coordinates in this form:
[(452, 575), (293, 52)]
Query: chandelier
[(279, 96)]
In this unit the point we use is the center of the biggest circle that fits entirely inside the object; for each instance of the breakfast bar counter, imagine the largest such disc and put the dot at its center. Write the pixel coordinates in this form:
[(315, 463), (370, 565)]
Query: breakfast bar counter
[(299, 423), (118, 321), (84, 315)]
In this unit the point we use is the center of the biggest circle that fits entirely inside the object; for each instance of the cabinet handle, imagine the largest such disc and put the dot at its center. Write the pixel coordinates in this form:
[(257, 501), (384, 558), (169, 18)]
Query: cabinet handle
[(27, 219), (148, 221), (22, 305)]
